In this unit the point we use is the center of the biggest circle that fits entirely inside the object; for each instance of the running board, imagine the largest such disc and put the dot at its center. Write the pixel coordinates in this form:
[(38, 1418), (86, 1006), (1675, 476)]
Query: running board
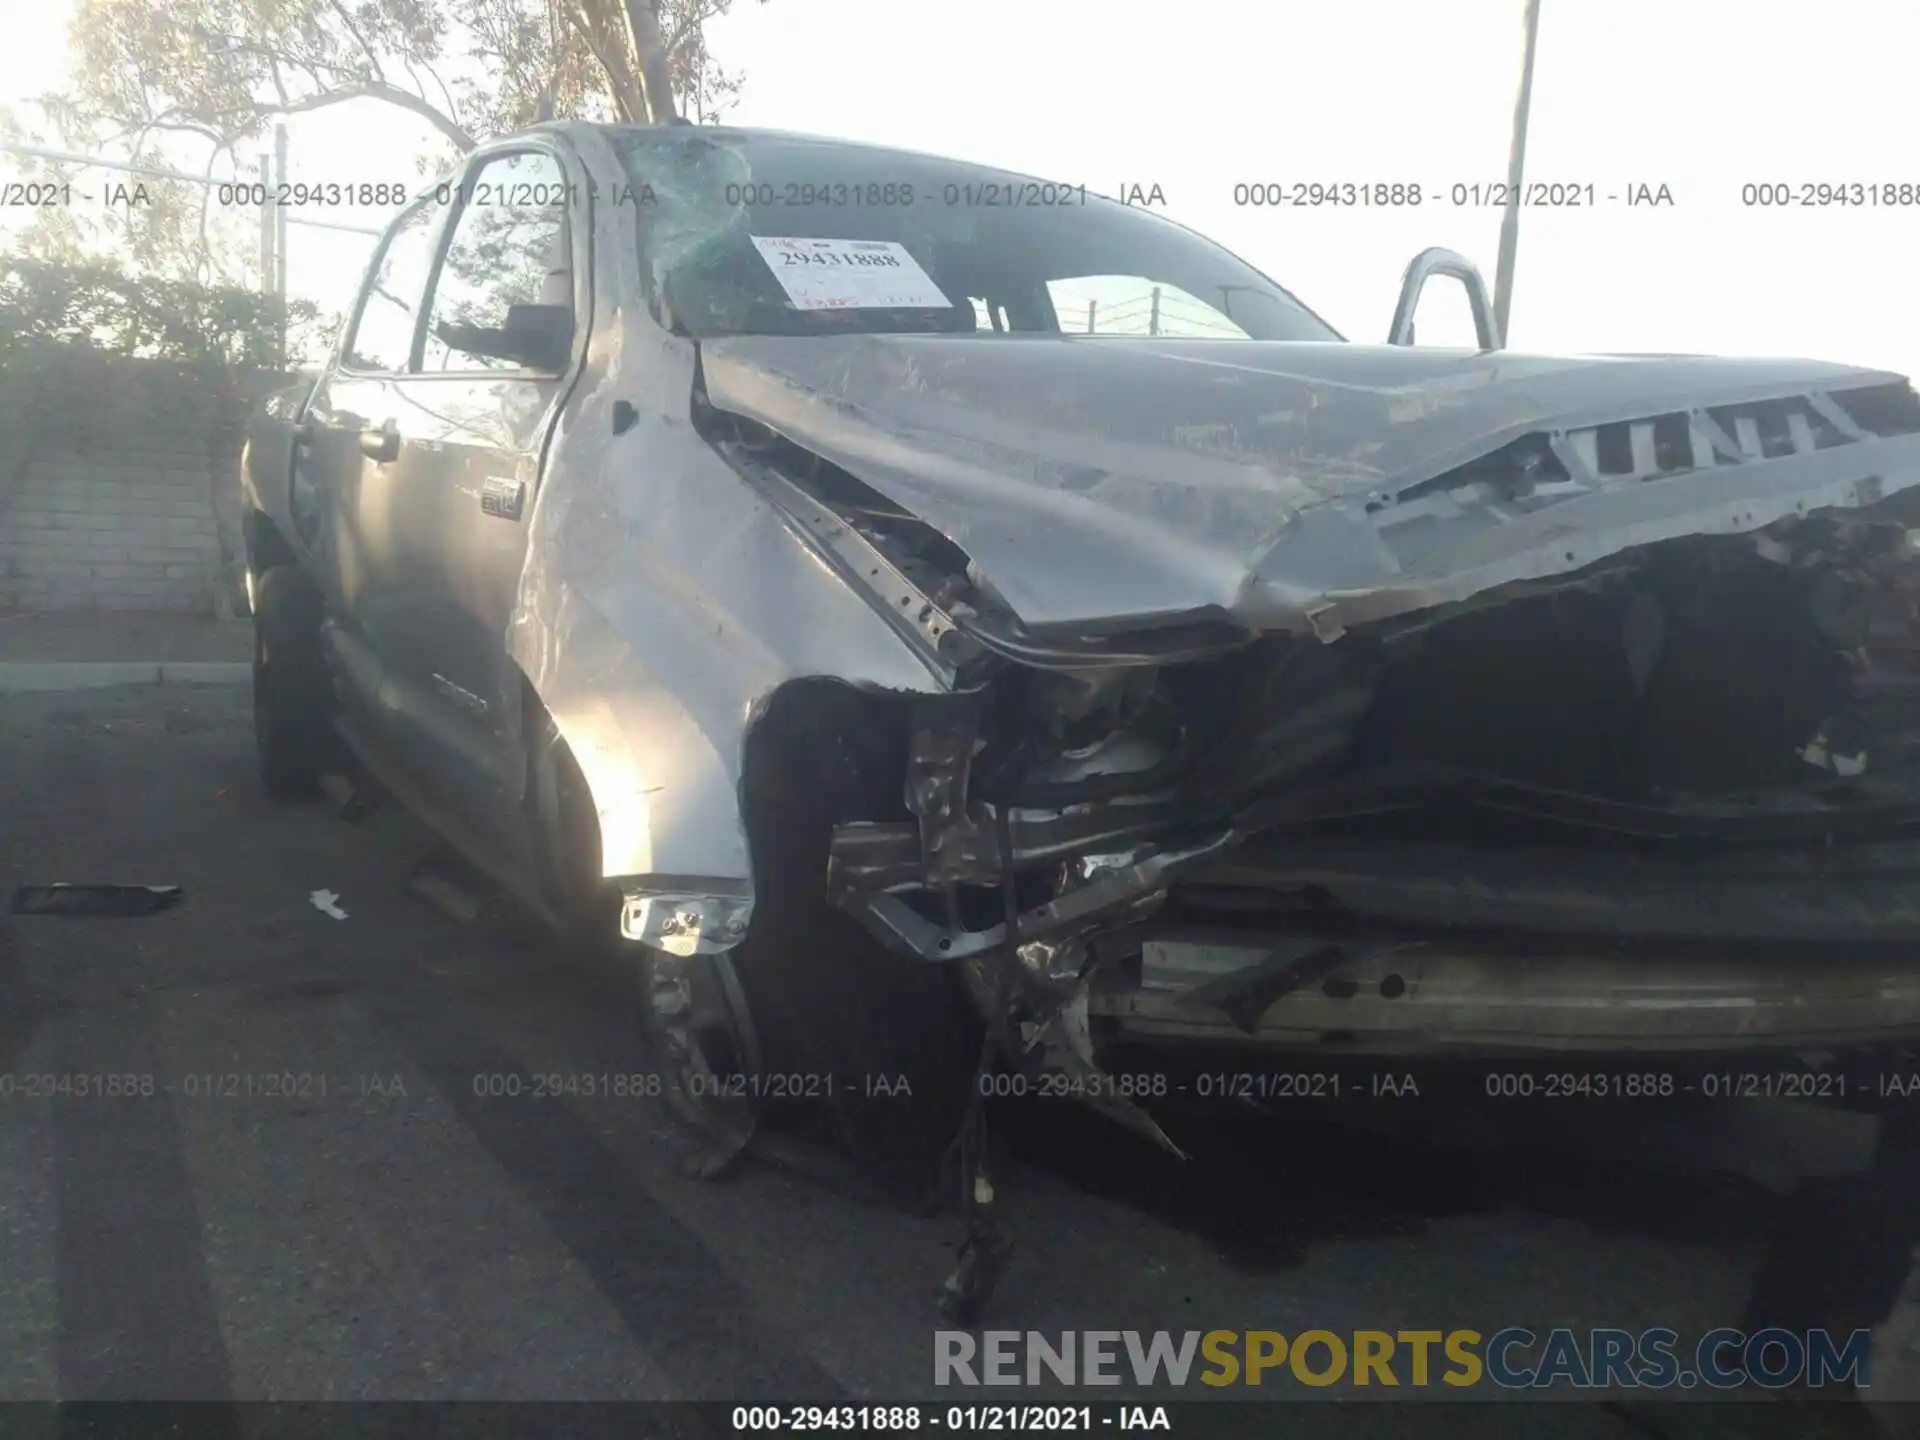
[(455, 834)]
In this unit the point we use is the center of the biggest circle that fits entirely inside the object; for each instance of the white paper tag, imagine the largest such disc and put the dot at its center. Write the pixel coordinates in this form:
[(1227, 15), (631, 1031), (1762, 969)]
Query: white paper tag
[(850, 274)]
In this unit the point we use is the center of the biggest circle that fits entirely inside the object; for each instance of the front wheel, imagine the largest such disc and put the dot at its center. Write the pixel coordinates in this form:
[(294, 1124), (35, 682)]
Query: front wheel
[(696, 1032), (885, 1046), (702, 1043), (808, 1018)]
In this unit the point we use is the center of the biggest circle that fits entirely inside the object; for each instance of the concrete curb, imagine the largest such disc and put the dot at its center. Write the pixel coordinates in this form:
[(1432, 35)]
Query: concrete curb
[(20, 675)]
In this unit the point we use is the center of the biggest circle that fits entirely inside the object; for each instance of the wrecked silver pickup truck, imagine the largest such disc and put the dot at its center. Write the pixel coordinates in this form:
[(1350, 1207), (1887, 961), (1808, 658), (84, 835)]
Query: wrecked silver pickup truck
[(930, 610)]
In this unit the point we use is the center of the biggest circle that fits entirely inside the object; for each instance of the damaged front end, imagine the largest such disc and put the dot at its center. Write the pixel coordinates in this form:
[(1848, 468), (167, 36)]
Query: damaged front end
[(1652, 789), (1664, 801)]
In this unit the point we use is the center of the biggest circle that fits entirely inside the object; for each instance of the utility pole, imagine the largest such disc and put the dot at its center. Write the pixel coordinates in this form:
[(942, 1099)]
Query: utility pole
[(268, 272), (1516, 171), (279, 249), (280, 212)]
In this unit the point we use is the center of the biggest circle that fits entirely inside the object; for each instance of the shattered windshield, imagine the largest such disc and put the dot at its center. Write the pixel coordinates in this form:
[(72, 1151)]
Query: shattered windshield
[(758, 235)]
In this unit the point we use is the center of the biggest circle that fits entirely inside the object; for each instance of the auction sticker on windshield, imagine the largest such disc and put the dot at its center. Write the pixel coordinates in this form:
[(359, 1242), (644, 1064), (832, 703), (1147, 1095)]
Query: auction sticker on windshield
[(850, 274)]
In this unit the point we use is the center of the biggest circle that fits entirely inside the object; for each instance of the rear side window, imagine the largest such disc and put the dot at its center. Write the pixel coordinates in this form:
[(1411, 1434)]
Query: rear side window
[(382, 337)]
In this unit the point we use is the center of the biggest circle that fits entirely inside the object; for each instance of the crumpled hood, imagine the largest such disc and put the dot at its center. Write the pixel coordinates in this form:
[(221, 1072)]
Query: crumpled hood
[(1099, 482)]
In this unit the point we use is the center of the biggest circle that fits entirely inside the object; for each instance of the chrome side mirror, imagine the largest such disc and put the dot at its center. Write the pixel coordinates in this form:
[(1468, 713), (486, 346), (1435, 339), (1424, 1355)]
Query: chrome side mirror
[(1439, 261)]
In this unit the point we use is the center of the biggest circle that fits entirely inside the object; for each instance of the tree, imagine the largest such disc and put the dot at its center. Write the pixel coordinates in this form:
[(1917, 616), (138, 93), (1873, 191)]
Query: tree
[(163, 79), (222, 69), (100, 306)]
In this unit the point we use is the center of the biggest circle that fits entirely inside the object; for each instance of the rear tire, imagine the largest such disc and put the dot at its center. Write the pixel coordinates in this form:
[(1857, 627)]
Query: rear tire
[(293, 700)]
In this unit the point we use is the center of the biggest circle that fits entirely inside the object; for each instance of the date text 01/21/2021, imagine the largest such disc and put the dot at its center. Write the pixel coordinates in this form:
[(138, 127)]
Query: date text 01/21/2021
[(1317, 1085), (1393, 194), (1835, 1085), (199, 1085), (959, 1419)]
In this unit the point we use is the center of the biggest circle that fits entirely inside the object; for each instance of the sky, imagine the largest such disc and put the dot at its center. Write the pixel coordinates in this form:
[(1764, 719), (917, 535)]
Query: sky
[(1702, 97)]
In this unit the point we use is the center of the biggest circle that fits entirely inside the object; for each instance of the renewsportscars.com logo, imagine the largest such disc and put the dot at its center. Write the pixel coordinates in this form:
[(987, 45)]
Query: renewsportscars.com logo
[(1512, 1359)]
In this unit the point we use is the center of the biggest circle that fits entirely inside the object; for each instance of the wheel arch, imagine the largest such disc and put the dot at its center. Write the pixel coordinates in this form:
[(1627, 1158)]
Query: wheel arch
[(266, 547), (681, 806)]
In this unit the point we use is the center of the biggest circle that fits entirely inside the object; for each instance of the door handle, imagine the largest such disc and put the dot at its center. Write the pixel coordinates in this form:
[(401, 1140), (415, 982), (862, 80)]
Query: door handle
[(503, 498), (381, 446)]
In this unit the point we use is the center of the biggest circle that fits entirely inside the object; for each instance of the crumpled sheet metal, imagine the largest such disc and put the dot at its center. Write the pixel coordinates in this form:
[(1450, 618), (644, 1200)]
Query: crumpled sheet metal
[(1095, 481), (664, 601)]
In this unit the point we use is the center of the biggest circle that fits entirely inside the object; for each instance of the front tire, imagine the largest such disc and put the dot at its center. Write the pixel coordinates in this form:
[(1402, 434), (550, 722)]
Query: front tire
[(293, 701), (696, 1033), (893, 1039), (809, 1016)]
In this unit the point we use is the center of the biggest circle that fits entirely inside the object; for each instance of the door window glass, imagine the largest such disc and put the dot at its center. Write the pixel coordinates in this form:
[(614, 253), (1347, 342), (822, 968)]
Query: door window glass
[(509, 248), (383, 335)]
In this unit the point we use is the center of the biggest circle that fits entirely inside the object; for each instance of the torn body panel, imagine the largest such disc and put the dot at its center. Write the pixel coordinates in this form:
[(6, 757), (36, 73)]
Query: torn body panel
[(663, 603), (1276, 695), (1108, 483), (1146, 608), (1603, 814), (1389, 532)]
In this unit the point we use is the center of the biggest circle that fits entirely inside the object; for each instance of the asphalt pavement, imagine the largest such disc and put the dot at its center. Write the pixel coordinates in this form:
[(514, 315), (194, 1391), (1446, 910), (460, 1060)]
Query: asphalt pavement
[(337, 1166)]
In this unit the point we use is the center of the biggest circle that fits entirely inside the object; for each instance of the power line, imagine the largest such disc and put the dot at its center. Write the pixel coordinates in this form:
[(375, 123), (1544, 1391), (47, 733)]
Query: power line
[(160, 172), (1198, 315)]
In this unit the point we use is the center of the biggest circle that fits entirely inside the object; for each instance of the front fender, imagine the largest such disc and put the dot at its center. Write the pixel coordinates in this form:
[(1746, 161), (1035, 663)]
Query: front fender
[(663, 602), (266, 454)]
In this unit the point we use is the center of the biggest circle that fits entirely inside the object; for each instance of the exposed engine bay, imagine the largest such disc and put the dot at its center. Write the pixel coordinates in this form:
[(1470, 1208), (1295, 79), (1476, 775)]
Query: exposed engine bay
[(1461, 826), (1553, 710)]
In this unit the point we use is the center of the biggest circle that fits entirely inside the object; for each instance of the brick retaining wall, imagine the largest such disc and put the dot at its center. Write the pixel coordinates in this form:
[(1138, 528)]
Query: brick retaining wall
[(119, 483)]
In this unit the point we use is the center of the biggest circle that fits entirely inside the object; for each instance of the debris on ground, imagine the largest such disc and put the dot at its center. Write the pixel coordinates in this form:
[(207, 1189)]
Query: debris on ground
[(325, 902), (64, 899)]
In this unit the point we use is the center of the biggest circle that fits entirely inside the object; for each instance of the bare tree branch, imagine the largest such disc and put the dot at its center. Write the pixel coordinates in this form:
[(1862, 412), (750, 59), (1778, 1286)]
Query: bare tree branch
[(419, 87), (629, 102), (656, 80), (148, 71), (353, 29), (221, 140), (690, 21), (376, 90), (452, 110), (313, 65)]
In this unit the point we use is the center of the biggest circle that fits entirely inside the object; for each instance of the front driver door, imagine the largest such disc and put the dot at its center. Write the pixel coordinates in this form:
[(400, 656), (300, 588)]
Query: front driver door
[(478, 426)]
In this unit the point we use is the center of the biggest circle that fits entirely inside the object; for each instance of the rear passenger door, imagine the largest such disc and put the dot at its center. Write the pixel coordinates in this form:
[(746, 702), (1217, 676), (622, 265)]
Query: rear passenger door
[(365, 531), (482, 407)]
